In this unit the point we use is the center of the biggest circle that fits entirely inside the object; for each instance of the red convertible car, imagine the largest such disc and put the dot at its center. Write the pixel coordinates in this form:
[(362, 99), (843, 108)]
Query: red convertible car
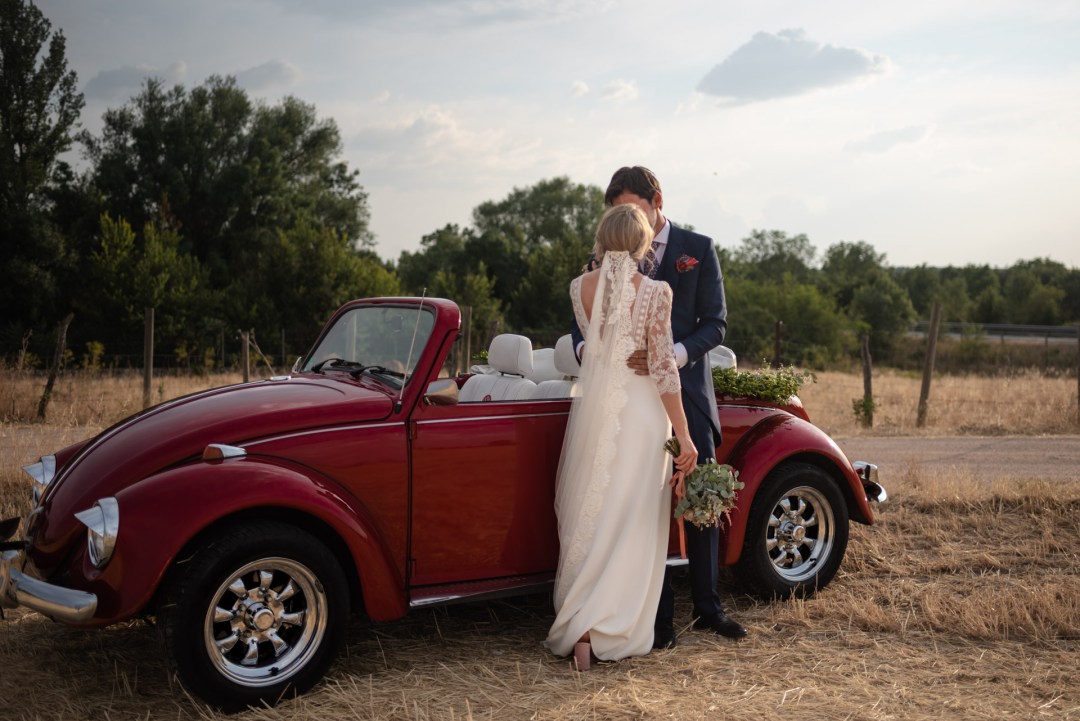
[(250, 520)]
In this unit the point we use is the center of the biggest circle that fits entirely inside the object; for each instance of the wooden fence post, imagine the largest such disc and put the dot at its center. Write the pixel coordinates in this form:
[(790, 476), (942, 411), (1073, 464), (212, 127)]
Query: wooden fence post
[(776, 348), (255, 345), (245, 360), (54, 369), (148, 357), (928, 368), (466, 320), (868, 384), (22, 352)]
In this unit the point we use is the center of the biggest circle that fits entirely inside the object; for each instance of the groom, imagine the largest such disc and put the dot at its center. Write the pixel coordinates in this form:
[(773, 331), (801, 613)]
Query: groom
[(687, 262)]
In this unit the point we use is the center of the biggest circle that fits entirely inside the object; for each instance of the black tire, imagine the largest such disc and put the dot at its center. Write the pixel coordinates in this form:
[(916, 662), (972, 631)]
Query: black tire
[(796, 533), (255, 614)]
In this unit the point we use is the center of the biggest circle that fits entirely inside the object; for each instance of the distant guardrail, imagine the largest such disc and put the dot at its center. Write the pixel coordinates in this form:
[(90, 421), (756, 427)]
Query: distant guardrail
[(1064, 332)]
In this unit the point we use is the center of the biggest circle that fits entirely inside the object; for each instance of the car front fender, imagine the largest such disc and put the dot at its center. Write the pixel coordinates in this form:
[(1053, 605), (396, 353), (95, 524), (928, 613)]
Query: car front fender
[(778, 438), (161, 515)]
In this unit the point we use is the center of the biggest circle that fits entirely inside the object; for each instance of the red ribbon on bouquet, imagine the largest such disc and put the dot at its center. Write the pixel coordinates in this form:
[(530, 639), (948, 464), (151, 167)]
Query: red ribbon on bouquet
[(682, 521)]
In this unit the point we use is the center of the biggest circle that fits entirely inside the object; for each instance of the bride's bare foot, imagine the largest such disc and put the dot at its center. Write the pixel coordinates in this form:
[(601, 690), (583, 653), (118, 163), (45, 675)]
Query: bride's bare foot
[(582, 655)]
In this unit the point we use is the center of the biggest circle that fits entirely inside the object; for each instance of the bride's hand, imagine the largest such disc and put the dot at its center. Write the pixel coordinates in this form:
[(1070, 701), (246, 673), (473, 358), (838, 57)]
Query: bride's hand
[(686, 461)]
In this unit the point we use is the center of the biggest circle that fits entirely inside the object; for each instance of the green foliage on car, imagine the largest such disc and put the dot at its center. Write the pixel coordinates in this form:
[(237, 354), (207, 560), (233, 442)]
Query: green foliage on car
[(775, 385)]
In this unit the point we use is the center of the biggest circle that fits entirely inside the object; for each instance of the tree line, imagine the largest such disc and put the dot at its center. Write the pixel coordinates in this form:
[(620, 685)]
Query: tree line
[(225, 213)]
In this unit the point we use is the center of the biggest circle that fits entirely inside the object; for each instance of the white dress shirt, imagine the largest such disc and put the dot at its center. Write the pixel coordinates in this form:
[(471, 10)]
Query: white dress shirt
[(661, 239)]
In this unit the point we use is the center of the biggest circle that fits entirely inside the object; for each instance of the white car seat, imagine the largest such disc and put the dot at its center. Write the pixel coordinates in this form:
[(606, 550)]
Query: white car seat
[(511, 358), (566, 363), (722, 357), (544, 366)]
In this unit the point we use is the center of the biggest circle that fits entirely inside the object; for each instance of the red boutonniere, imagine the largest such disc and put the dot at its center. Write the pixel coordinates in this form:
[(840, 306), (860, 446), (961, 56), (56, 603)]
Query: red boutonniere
[(686, 263)]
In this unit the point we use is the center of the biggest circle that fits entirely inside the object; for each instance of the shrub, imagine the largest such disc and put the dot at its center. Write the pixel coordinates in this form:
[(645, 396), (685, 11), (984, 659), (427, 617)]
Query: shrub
[(767, 384)]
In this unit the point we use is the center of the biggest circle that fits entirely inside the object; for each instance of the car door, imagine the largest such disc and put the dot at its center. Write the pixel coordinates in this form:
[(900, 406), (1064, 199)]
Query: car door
[(483, 489)]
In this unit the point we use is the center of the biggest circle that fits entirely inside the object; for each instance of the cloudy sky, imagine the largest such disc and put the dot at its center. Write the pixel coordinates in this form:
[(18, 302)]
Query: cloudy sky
[(939, 131)]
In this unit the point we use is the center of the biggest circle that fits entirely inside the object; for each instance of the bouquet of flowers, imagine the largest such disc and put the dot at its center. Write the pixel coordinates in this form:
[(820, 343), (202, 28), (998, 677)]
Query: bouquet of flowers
[(710, 491)]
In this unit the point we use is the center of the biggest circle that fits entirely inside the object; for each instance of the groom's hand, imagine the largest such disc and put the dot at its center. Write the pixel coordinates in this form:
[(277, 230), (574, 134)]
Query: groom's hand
[(639, 362)]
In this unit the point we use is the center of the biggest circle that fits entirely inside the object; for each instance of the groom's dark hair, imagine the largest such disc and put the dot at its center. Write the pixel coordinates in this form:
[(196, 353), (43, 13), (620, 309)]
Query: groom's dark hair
[(638, 180)]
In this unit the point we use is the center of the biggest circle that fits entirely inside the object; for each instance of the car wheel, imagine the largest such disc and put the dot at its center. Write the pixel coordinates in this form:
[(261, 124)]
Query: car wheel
[(255, 614), (796, 533)]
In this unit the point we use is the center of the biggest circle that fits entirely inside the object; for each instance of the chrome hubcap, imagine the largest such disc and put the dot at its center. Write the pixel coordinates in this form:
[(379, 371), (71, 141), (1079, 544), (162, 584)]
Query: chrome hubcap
[(800, 533), (266, 621)]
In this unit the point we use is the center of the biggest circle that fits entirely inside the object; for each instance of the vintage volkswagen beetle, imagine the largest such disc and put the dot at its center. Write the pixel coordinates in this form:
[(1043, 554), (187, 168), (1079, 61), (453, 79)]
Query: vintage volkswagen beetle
[(249, 520)]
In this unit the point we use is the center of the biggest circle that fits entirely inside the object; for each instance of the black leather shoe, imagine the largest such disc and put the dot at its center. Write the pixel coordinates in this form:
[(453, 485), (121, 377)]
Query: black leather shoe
[(663, 635), (720, 624)]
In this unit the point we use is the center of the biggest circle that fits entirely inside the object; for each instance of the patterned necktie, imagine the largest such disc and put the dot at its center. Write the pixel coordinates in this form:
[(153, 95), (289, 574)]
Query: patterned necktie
[(649, 263)]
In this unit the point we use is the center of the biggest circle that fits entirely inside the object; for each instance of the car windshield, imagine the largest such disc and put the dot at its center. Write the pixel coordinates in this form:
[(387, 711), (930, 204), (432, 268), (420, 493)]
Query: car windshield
[(374, 340)]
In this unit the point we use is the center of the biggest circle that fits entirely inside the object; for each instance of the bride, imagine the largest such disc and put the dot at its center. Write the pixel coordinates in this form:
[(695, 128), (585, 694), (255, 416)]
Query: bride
[(612, 498)]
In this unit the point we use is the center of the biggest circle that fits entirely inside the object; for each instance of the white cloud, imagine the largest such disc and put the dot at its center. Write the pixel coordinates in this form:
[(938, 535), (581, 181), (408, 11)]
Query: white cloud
[(786, 64), (620, 91), (436, 13), (885, 140), (579, 88), (271, 75), (436, 141), (126, 82)]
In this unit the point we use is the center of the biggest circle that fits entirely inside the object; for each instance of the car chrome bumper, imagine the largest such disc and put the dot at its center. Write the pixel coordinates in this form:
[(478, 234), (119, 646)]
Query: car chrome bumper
[(56, 602), (868, 474)]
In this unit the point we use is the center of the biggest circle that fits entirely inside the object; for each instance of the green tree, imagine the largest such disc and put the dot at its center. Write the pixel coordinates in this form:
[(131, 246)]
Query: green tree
[(923, 285), (990, 307), (883, 309), (473, 290), (300, 278), (257, 194), (528, 245), (814, 332), (1043, 306), (443, 250), (1070, 306), (543, 213), (39, 108), (956, 303), (979, 278), (768, 254), (541, 303), (1020, 284), (846, 267), (537, 237), (129, 273), (230, 172), (449, 265)]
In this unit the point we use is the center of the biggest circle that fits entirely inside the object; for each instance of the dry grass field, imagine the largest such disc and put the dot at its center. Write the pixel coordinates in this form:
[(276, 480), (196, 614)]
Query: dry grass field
[(962, 602)]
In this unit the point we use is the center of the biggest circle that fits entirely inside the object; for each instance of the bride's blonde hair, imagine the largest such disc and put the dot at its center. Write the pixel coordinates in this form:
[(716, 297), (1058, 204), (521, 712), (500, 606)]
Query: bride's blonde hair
[(623, 228)]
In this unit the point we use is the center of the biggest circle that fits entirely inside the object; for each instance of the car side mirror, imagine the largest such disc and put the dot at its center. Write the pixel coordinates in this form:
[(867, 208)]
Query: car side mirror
[(441, 393)]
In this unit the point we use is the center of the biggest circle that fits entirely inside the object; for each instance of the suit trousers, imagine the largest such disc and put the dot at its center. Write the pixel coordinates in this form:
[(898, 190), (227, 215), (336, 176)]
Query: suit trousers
[(701, 544)]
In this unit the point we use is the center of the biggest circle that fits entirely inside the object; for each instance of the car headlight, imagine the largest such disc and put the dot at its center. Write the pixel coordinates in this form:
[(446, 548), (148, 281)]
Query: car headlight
[(102, 523), (43, 473)]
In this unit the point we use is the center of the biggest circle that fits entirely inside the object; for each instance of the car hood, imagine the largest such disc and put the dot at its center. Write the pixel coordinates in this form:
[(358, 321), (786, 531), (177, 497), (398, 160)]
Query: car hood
[(178, 431)]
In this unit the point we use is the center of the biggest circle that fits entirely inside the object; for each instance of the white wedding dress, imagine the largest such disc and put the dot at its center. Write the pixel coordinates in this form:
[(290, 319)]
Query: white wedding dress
[(612, 499)]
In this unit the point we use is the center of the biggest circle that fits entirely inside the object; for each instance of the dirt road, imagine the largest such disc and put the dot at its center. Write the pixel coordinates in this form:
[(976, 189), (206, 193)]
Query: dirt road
[(1051, 457)]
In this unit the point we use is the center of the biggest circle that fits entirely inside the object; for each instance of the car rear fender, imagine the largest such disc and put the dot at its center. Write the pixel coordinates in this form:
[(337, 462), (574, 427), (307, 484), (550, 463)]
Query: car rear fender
[(776, 439), (162, 518)]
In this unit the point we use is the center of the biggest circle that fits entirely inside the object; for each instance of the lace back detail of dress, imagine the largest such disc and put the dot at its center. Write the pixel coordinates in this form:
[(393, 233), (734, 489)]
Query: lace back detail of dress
[(610, 340)]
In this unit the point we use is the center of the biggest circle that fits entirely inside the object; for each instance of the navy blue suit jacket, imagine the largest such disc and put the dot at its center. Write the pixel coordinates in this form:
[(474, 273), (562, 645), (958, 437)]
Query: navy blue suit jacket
[(699, 322)]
